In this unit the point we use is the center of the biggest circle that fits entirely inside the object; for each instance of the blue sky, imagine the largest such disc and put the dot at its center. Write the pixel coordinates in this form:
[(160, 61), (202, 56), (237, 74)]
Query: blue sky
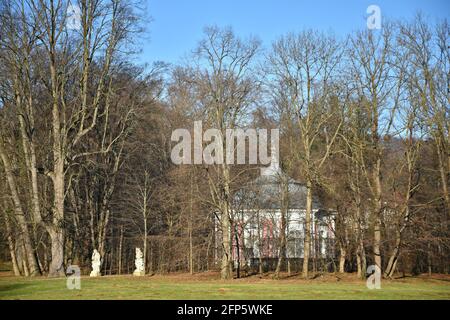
[(177, 25)]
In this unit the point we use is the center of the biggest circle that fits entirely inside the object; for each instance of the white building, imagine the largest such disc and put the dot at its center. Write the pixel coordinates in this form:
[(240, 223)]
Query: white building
[(257, 218)]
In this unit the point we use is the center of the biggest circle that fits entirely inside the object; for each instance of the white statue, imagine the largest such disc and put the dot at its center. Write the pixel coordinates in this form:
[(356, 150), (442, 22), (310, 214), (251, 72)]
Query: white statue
[(95, 264), (139, 263)]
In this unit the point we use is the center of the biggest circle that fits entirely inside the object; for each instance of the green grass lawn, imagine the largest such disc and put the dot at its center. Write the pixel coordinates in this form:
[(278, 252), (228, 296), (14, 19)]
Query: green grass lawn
[(184, 287)]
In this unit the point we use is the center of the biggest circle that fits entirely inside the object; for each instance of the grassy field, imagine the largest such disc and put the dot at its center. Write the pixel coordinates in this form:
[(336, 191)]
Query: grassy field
[(208, 286)]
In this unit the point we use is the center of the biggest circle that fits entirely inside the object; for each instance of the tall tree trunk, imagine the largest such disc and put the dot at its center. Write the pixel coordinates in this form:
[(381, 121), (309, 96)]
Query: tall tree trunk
[(308, 214), (360, 251), (377, 188), (26, 270), (444, 175), (11, 246), (30, 160), (342, 255), (58, 176), (238, 250), (260, 244), (226, 271), (103, 229), (57, 234), (358, 228), (226, 266), (145, 244), (56, 268), (120, 250), (429, 259), (208, 248), (151, 257), (392, 263), (343, 246), (284, 211), (20, 216), (191, 249), (377, 238)]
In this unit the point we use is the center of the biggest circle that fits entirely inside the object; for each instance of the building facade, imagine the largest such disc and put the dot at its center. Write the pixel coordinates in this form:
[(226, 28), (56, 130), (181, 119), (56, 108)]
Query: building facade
[(256, 222)]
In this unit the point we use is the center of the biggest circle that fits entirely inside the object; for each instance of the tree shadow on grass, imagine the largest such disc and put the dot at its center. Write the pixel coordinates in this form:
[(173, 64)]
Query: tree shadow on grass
[(436, 277), (13, 286)]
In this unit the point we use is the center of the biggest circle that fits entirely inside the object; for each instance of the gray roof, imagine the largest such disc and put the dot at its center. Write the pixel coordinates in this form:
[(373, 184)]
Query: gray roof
[(265, 193)]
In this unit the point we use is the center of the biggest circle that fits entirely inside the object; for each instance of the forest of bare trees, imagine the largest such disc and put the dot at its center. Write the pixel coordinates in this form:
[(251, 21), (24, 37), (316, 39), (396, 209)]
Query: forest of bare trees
[(85, 141)]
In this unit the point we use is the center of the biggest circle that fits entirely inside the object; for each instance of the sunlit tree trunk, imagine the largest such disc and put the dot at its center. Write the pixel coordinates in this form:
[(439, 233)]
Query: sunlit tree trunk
[(20, 215)]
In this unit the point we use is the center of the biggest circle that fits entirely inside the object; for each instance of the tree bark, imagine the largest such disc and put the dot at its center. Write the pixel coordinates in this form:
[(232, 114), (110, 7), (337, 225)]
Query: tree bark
[(260, 244), (11, 246), (120, 251), (392, 263), (342, 255), (226, 267), (145, 244), (20, 216), (191, 249), (360, 251), (443, 174), (56, 268), (226, 271), (284, 211), (307, 247), (378, 206)]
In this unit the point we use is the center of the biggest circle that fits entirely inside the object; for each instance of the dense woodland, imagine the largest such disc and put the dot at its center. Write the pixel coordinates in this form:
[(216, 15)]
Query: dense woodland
[(85, 140)]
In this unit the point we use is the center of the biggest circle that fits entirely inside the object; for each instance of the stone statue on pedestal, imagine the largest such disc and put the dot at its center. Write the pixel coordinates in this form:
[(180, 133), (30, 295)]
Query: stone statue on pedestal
[(95, 264), (139, 263)]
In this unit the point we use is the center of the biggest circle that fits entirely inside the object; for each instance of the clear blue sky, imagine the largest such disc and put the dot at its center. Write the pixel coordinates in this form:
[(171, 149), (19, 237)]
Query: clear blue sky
[(177, 25)]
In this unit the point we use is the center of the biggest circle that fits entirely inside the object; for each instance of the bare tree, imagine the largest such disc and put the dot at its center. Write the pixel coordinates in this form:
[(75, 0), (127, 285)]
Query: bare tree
[(430, 55), (371, 65), (225, 88), (301, 67)]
